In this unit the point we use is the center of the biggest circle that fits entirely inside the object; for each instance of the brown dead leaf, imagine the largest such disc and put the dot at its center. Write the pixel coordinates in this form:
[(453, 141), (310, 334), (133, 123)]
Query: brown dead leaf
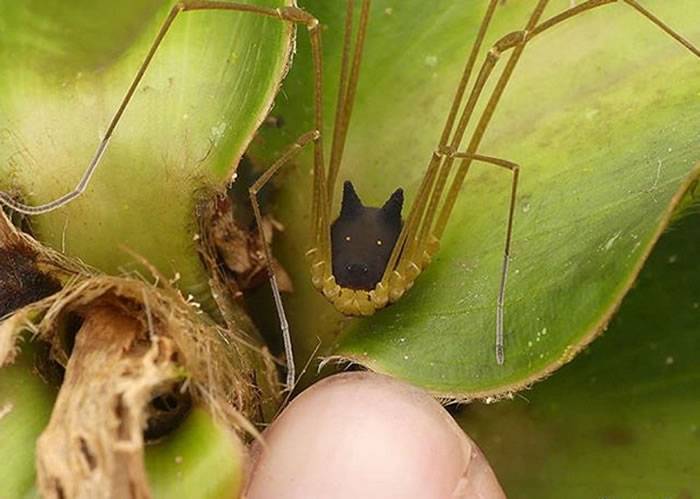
[(241, 249)]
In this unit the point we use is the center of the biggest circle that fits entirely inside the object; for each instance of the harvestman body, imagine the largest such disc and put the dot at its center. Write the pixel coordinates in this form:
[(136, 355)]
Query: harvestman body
[(369, 257)]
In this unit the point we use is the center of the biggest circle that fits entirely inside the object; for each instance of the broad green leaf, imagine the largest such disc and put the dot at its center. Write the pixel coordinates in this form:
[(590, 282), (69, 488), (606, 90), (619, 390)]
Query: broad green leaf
[(66, 67), (623, 419), (601, 113)]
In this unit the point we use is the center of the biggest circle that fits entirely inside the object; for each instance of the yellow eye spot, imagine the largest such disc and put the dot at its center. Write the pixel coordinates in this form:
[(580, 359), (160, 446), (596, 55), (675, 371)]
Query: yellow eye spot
[(379, 242), (347, 238)]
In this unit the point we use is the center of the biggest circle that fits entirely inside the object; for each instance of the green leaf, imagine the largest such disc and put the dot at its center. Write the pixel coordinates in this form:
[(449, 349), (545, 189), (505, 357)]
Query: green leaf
[(25, 401), (66, 67), (200, 460), (622, 419), (602, 115)]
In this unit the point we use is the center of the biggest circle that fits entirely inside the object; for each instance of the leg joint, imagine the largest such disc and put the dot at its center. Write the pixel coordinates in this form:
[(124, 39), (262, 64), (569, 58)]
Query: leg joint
[(508, 42), (445, 151), (488, 159), (297, 15), (313, 135)]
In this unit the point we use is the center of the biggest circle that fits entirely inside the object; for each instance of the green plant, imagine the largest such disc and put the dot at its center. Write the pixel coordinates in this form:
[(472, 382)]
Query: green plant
[(602, 121), (606, 139), (209, 87)]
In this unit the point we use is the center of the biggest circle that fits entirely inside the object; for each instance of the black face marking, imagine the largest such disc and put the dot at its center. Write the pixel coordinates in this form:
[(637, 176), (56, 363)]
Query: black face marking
[(362, 239)]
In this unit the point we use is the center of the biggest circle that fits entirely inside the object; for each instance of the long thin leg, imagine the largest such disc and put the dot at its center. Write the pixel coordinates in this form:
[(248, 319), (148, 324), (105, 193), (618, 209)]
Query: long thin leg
[(528, 34), (319, 204), (423, 228), (518, 39), (253, 192), (500, 303), (346, 92), (418, 229), (466, 75), (470, 155), (340, 107), (507, 43), (285, 14), (424, 190)]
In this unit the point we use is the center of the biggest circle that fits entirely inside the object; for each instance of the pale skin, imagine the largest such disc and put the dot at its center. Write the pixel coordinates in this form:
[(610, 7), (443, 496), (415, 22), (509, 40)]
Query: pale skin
[(429, 214), (366, 435)]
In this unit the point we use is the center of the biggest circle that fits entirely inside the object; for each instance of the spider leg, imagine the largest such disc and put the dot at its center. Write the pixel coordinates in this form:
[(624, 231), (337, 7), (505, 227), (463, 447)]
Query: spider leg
[(349, 76), (470, 154), (481, 126), (440, 166), (416, 213), (253, 191), (421, 233), (292, 15), (500, 303), (415, 234)]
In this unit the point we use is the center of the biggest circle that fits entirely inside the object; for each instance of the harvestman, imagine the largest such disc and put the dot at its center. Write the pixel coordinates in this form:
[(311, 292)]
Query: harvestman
[(369, 257)]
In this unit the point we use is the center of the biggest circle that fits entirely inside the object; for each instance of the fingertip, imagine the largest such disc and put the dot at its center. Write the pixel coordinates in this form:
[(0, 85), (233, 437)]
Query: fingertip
[(366, 435)]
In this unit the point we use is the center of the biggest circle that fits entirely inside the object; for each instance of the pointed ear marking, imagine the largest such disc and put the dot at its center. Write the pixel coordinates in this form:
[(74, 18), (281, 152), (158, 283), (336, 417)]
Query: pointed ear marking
[(351, 201), (392, 208)]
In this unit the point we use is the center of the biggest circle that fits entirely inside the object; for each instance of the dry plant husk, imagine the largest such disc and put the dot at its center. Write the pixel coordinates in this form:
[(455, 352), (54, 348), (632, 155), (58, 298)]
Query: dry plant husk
[(135, 341)]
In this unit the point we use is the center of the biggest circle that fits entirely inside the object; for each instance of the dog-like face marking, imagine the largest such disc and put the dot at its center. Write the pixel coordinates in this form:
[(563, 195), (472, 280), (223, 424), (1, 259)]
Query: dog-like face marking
[(362, 239)]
